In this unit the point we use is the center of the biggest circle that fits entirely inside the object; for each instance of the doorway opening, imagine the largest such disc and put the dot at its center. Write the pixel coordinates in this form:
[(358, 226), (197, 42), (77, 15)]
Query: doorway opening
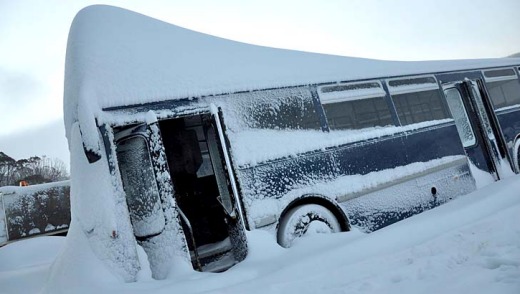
[(195, 170)]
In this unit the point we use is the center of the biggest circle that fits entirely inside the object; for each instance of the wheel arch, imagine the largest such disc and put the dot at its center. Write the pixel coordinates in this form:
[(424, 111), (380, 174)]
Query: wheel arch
[(319, 200)]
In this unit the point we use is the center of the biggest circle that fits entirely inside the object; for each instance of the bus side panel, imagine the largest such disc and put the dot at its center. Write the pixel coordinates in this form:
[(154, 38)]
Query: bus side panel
[(267, 188), (264, 185), (431, 143), (440, 142), (384, 207), (365, 157), (403, 198)]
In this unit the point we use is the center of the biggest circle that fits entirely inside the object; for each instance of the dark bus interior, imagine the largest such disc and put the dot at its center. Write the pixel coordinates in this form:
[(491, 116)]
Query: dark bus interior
[(199, 182), (196, 190)]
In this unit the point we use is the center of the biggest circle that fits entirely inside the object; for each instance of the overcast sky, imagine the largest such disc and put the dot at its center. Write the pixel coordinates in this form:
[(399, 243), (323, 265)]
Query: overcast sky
[(33, 36)]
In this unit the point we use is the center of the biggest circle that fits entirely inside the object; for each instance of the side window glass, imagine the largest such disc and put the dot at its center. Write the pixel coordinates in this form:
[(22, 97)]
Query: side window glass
[(355, 105), (417, 100), (142, 195), (503, 87), (358, 114), (460, 116), (278, 109)]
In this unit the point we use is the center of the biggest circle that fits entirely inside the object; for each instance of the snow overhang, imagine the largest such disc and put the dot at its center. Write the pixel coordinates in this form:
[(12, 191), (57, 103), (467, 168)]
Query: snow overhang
[(116, 57)]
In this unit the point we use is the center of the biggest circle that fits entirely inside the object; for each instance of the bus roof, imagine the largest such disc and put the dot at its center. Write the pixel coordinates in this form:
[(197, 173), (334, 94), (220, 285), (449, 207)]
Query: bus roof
[(116, 57)]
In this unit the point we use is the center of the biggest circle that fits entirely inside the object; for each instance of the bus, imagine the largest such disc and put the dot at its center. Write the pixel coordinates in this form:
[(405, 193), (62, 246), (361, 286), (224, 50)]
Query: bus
[(187, 141)]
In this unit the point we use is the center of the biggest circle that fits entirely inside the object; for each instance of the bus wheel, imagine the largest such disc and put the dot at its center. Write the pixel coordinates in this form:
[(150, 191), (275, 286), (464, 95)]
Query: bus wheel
[(304, 220)]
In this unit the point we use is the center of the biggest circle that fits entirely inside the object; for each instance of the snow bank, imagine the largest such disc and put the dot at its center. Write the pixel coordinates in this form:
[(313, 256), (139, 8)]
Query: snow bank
[(78, 262), (100, 214), (25, 264), (467, 245), (100, 219)]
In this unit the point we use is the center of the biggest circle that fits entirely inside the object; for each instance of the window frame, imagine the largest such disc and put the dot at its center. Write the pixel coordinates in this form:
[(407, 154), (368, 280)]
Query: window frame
[(416, 88), (465, 143), (499, 78), (342, 96), (489, 80), (393, 90), (329, 98)]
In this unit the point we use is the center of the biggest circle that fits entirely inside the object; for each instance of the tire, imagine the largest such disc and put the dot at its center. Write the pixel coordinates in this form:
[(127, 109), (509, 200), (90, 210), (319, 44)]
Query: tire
[(297, 222)]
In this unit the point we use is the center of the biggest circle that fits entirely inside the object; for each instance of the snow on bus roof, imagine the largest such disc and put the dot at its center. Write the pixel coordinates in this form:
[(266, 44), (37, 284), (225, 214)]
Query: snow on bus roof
[(116, 57)]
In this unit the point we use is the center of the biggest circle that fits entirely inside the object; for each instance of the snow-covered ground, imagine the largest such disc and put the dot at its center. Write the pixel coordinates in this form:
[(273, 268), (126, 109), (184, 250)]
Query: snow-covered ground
[(471, 244)]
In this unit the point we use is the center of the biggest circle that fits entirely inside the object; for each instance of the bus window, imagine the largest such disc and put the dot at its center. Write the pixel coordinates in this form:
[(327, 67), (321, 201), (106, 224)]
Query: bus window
[(417, 99), (503, 87), (142, 195), (355, 105), (460, 116), (278, 109), (358, 114)]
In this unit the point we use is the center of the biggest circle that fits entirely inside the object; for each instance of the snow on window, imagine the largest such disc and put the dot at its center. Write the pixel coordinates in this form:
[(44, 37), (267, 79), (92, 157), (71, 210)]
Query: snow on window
[(483, 114), (355, 105), (142, 197), (460, 116), (278, 109)]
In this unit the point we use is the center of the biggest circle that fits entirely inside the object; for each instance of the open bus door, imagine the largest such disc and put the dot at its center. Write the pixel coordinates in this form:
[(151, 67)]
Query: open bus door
[(205, 190), (478, 126), (203, 187)]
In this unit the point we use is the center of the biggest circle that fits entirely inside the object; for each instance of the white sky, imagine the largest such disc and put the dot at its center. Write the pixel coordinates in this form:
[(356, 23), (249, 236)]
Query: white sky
[(33, 37)]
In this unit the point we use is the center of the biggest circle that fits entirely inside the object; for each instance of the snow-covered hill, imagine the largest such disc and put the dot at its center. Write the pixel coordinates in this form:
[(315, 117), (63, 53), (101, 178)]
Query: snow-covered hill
[(471, 244)]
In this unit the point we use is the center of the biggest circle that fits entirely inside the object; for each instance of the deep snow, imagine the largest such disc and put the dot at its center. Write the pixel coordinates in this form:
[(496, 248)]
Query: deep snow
[(471, 244), (116, 57)]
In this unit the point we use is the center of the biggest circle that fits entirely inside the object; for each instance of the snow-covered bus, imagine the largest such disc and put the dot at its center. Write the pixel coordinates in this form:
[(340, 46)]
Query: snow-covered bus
[(181, 141)]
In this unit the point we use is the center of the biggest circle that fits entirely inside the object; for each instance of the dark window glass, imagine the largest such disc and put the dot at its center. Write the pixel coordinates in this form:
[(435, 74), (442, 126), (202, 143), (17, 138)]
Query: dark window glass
[(421, 106), (499, 73), (504, 93), (358, 114)]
